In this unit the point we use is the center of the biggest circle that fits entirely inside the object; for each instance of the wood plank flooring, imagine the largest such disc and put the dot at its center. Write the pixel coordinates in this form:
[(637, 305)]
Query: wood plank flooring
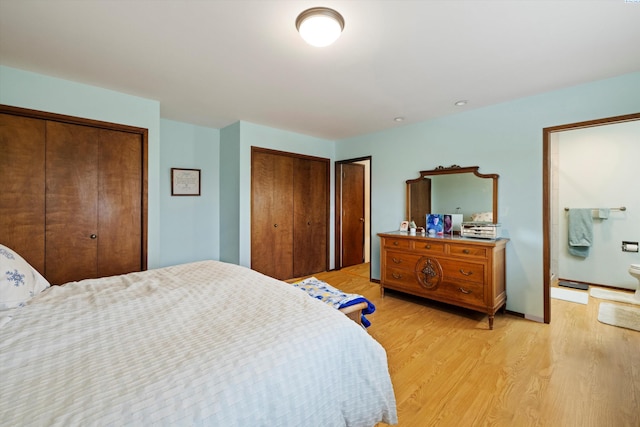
[(449, 369)]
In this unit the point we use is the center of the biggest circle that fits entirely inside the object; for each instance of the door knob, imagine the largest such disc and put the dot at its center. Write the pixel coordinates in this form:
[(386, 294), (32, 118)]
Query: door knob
[(93, 236)]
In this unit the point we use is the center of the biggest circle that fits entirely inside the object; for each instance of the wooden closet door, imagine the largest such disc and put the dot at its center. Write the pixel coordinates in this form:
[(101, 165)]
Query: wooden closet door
[(94, 202), (22, 163), (271, 214), (310, 223), (119, 203), (71, 202)]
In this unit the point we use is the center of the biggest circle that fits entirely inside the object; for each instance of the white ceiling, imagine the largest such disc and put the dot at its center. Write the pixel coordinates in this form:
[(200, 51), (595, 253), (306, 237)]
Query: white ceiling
[(215, 62)]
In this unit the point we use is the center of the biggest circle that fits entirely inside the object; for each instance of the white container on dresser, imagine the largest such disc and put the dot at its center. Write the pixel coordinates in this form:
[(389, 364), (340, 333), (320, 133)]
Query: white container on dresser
[(464, 272)]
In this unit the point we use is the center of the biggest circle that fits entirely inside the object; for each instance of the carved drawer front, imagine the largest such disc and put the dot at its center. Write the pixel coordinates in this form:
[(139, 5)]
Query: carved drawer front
[(462, 272), (401, 260), (429, 247), (397, 243), (471, 293), (470, 251), (400, 277)]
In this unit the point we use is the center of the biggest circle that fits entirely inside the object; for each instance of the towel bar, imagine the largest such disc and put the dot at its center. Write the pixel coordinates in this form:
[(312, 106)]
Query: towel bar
[(621, 208)]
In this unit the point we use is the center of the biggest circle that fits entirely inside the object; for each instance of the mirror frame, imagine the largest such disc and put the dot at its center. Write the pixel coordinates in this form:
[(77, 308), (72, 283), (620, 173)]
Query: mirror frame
[(455, 169)]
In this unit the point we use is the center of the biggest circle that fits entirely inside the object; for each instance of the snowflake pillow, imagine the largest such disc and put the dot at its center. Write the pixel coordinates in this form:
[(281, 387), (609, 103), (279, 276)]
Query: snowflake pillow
[(19, 282)]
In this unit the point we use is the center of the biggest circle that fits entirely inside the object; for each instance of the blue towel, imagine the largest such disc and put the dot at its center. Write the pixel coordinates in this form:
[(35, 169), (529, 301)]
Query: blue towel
[(580, 232), (335, 297)]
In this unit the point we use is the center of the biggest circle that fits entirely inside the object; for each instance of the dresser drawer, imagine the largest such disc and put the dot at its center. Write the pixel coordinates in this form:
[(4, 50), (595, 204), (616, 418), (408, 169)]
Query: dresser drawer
[(468, 251), (427, 247), (469, 293), (397, 243), (404, 260), (462, 272), (405, 279)]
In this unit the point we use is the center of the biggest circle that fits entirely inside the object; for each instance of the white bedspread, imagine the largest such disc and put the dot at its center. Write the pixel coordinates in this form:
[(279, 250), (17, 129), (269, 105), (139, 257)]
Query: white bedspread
[(206, 343)]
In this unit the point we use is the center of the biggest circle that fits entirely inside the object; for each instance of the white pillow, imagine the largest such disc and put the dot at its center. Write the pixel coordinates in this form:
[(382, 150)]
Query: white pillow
[(19, 282)]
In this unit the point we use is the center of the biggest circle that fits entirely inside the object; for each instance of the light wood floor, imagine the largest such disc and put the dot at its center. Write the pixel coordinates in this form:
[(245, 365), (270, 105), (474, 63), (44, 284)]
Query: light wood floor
[(449, 369)]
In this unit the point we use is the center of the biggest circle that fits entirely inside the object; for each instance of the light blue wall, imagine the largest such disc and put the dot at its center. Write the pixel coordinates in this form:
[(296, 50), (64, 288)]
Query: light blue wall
[(230, 193), (505, 139), (190, 226), (38, 92)]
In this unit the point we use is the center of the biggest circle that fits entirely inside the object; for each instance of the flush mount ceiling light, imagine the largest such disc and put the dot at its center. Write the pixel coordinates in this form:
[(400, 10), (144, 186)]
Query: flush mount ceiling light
[(461, 103), (320, 26)]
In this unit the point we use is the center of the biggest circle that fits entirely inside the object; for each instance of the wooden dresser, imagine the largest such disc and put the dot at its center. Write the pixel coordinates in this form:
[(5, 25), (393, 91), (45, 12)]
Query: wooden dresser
[(464, 272)]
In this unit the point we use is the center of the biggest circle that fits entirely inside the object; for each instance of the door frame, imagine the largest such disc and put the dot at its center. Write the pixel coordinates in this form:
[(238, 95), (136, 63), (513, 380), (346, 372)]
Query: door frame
[(338, 210), (546, 194)]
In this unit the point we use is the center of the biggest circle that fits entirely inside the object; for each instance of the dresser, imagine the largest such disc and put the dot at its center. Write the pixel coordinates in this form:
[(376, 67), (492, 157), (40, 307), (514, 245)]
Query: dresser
[(465, 272)]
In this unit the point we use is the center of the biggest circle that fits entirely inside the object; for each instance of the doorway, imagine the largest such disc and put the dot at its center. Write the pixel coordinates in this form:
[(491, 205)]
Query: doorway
[(353, 212), (549, 202)]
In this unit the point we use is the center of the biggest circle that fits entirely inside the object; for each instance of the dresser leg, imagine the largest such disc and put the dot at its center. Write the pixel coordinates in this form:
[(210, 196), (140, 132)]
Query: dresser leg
[(491, 316)]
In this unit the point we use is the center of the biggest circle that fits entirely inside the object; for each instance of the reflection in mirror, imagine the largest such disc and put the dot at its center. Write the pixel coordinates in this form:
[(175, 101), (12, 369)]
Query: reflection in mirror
[(452, 190)]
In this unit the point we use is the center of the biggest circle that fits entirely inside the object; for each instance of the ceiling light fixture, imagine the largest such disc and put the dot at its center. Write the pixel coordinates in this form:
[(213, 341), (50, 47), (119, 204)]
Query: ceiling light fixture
[(320, 26), (398, 119), (460, 103)]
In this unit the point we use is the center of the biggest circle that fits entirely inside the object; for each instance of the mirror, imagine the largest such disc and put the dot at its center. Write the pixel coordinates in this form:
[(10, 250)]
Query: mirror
[(452, 190)]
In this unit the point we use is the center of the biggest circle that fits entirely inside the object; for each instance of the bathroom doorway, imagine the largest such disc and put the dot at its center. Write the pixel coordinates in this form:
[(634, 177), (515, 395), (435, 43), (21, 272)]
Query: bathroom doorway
[(552, 170)]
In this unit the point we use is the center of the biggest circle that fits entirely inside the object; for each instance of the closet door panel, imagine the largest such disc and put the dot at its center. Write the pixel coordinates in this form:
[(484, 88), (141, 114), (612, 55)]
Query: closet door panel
[(310, 217), (119, 203), (271, 214), (71, 202), (22, 188)]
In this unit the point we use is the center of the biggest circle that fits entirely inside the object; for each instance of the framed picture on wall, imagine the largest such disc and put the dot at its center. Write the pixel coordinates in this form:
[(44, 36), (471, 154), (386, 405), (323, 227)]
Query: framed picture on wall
[(185, 182)]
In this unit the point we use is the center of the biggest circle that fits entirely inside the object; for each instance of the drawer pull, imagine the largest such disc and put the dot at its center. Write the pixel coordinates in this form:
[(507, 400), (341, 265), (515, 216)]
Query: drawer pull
[(466, 251), (396, 243), (464, 291), (396, 260), (465, 273), (427, 246), (396, 275)]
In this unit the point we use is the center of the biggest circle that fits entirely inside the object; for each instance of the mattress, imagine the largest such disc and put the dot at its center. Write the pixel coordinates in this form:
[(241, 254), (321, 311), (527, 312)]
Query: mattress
[(204, 343)]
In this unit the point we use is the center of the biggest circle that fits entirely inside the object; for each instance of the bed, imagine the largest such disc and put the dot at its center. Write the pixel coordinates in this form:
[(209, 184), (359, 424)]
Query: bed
[(205, 343)]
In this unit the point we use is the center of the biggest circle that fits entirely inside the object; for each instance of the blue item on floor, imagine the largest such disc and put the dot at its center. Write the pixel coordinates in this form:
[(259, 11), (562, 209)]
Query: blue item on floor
[(335, 297)]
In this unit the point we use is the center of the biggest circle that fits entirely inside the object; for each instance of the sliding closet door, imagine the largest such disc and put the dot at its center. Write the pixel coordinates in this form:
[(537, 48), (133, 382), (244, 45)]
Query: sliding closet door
[(289, 214), (271, 214), (71, 202), (119, 203), (94, 199), (310, 220), (22, 163)]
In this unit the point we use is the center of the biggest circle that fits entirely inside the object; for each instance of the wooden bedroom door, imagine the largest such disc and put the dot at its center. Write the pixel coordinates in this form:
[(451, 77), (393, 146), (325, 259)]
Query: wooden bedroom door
[(93, 202), (289, 213), (352, 214)]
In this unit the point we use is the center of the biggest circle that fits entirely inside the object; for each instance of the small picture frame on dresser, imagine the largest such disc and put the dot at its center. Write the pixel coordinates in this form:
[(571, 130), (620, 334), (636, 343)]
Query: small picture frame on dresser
[(404, 226)]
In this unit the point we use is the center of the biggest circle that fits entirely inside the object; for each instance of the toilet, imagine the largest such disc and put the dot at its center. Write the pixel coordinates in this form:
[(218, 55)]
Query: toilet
[(634, 270)]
